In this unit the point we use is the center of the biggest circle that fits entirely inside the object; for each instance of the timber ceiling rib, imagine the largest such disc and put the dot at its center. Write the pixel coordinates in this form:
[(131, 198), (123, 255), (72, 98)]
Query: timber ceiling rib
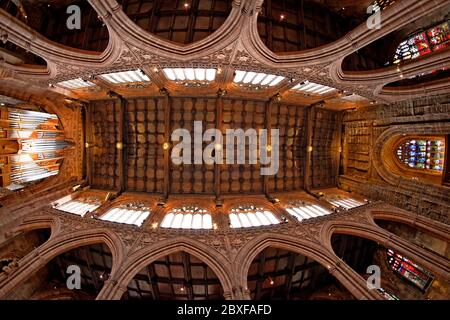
[(183, 22), (105, 131)]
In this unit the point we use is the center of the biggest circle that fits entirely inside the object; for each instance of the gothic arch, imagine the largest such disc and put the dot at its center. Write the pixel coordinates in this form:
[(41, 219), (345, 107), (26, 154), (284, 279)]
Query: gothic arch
[(316, 251), (382, 150), (436, 264), (64, 242), (143, 257), (142, 39)]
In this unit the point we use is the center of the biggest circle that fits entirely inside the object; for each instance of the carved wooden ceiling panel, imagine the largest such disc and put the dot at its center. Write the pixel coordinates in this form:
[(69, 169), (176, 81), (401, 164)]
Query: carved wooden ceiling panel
[(105, 130), (196, 178), (146, 132), (291, 121)]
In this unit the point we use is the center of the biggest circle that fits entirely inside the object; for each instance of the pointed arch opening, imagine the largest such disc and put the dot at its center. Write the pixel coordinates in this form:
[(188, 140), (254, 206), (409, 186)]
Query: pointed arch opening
[(290, 25), (58, 279), (178, 276), (279, 274)]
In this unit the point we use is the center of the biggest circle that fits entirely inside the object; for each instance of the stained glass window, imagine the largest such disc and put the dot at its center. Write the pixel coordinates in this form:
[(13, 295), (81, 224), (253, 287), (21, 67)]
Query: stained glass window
[(423, 154), (423, 43), (409, 270)]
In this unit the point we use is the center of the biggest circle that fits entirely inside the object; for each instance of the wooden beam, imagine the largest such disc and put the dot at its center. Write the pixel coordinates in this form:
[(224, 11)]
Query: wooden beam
[(167, 111), (193, 10), (121, 144), (261, 279), (308, 153)]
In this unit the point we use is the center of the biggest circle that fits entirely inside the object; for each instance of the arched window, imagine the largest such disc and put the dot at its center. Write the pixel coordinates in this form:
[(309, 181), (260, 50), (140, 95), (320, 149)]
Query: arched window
[(423, 43), (245, 216), (409, 270), (187, 217), (80, 206), (305, 211), (344, 201), (129, 213), (422, 153)]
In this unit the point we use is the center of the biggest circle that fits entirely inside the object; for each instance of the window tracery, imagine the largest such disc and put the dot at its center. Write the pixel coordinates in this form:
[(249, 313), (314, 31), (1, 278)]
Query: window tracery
[(187, 217), (80, 206), (249, 215)]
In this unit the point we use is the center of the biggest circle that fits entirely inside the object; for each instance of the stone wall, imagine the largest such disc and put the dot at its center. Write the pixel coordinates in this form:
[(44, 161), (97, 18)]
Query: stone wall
[(362, 171)]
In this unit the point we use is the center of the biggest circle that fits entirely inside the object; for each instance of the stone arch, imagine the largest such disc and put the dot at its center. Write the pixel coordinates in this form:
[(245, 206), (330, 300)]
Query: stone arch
[(436, 264), (390, 137), (424, 232), (316, 251), (393, 163), (141, 38), (62, 243), (143, 257), (22, 240)]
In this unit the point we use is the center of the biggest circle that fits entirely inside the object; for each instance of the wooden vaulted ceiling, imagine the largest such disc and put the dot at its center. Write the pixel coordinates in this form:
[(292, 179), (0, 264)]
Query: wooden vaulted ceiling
[(143, 125)]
